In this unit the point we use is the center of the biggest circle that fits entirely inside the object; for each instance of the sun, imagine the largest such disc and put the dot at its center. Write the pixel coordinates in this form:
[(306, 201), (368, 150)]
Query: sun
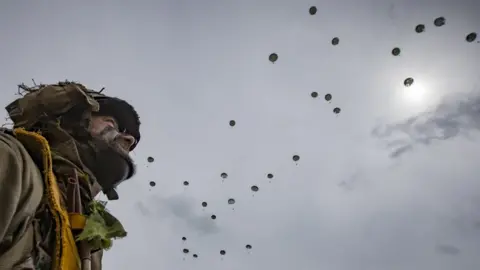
[(415, 93)]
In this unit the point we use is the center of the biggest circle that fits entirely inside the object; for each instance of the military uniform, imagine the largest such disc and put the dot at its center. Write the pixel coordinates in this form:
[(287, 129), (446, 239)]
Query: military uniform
[(45, 187)]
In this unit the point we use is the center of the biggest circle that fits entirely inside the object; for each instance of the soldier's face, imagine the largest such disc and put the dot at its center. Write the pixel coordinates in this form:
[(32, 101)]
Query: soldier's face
[(99, 126), (112, 163)]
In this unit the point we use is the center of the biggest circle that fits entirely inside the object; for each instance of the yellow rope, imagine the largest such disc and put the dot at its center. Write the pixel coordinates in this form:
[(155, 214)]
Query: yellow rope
[(66, 255)]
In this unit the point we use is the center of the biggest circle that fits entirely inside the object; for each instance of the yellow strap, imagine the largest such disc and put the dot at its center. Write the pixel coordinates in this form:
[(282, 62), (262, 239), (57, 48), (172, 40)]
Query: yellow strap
[(77, 221), (66, 255)]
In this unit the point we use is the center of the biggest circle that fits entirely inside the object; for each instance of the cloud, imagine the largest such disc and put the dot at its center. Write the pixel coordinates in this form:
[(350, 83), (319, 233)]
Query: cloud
[(456, 115), (178, 207)]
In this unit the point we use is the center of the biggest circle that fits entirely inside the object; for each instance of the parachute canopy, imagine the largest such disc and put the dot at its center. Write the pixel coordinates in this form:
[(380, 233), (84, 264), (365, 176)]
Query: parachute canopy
[(296, 157), (337, 110), (232, 123), (440, 21), (471, 37), (408, 81), (335, 41), (152, 183), (420, 28), (328, 97), (396, 51), (312, 10), (314, 94), (204, 204), (231, 201), (273, 57), (150, 159), (213, 217), (254, 188)]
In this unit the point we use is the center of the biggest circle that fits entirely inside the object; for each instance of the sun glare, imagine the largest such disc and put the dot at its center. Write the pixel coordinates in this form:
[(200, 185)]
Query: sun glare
[(415, 93)]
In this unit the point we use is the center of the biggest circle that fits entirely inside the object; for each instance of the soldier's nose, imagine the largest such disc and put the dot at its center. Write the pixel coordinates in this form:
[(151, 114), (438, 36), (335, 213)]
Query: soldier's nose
[(126, 141)]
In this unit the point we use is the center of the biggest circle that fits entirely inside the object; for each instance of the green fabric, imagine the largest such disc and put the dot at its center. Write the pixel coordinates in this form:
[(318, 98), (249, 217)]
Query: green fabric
[(101, 227)]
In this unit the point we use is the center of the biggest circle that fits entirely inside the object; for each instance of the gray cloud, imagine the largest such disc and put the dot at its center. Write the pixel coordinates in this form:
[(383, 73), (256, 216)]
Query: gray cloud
[(180, 208), (457, 115)]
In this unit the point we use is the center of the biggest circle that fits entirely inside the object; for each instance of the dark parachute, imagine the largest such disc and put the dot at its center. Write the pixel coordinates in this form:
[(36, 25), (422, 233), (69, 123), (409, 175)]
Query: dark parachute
[(184, 238), (314, 94), (213, 217), (150, 159), (337, 110), (254, 188), (185, 250), (195, 256), (204, 204), (335, 41), (273, 57), (224, 175), (232, 123), (296, 158), (471, 37), (396, 51), (440, 21), (152, 183), (420, 28), (231, 201), (185, 183), (328, 97), (223, 252), (408, 81), (269, 176), (312, 10), (248, 246)]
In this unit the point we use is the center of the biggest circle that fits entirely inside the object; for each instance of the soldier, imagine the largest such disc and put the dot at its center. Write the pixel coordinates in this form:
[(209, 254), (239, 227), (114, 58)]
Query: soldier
[(67, 144)]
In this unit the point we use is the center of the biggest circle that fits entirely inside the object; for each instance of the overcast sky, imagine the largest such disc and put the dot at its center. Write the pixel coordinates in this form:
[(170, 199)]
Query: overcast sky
[(392, 182)]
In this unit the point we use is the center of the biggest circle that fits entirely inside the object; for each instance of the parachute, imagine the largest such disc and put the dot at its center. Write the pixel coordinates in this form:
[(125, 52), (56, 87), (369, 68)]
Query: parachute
[(328, 97), (150, 159), (312, 10), (335, 41), (396, 51), (254, 188), (408, 82), (213, 217), (420, 28), (314, 94), (337, 110), (296, 158), (231, 201), (232, 123), (471, 37), (152, 183), (273, 58), (204, 204), (440, 21)]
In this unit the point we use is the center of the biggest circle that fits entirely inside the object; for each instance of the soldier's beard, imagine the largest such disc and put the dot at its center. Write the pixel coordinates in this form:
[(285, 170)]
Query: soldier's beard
[(108, 161)]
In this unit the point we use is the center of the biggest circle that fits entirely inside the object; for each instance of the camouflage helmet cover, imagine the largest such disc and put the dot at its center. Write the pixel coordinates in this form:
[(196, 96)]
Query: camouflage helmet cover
[(57, 99)]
